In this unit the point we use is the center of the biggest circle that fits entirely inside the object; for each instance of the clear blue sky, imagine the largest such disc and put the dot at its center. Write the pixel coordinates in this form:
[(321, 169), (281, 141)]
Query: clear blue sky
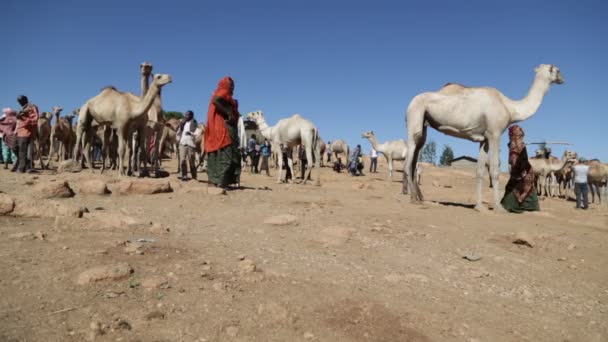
[(347, 66)]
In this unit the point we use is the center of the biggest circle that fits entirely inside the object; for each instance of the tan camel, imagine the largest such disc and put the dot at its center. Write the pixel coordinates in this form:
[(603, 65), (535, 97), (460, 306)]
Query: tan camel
[(545, 166), (392, 150), (121, 111), (597, 177), (43, 138), (292, 132), (477, 114), (338, 147), (322, 148), (63, 132)]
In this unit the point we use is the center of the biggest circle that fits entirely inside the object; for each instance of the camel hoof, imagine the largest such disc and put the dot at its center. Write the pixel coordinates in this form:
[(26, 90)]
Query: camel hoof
[(500, 209), (480, 208)]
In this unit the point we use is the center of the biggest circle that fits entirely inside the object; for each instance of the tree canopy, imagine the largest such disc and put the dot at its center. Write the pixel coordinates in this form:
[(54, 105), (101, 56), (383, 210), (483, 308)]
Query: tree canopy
[(173, 115), (446, 156), (429, 153)]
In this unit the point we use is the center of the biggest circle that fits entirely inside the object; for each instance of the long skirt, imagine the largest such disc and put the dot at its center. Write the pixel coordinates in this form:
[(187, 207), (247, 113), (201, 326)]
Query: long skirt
[(8, 155), (224, 165), (530, 203)]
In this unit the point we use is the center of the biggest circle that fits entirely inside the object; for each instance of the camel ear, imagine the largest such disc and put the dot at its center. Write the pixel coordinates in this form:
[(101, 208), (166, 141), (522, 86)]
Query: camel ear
[(551, 69)]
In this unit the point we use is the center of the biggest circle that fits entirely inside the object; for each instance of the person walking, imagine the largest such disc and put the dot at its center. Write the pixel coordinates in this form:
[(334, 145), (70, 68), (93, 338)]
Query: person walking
[(520, 191), (373, 156), (266, 153), (187, 131), (354, 163), (8, 125), (221, 136), (27, 129), (581, 189)]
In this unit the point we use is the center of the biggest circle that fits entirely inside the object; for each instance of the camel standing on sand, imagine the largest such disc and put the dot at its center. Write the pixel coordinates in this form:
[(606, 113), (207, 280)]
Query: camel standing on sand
[(338, 147), (292, 132), (121, 111), (42, 139), (597, 177), (545, 166), (63, 132), (392, 150), (322, 148), (477, 114)]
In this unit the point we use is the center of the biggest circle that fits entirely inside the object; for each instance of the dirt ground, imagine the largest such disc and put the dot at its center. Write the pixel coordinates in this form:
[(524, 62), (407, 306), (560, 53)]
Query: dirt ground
[(351, 260)]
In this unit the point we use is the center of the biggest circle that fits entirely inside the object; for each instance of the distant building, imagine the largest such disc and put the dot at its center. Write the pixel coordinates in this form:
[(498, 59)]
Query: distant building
[(463, 162)]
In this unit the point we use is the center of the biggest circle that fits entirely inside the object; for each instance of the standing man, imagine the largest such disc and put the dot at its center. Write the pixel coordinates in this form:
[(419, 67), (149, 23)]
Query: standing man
[(328, 151), (251, 144), (186, 132), (581, 171), (373, 155), (266, 153), (27, 129), (303, 161)]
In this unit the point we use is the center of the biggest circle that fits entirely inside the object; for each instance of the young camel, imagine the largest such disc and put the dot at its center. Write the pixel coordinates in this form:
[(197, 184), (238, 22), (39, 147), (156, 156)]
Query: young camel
[(392, 150), (477, 114), (63, 132), (292, 132), (338, 147), (42, 139), (122, 111)]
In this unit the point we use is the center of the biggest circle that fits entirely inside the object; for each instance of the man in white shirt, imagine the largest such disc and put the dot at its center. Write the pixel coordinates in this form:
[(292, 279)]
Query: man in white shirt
[(581, 171), (373, 156), (187, 132)]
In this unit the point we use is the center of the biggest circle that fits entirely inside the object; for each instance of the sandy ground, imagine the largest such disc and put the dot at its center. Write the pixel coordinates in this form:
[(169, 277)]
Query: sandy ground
[(351, 260)]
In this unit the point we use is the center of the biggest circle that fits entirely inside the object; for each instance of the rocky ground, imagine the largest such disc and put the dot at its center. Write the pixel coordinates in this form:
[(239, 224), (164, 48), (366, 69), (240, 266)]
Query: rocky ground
[(351, 260)]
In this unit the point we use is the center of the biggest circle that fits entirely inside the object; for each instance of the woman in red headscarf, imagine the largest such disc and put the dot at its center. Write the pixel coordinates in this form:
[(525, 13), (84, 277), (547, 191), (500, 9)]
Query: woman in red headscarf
[(221, 136), (520, 192)]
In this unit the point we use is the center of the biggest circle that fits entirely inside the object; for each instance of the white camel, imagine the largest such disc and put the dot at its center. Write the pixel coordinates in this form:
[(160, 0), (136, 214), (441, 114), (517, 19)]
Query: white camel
[(292, 132), (392, 150), (476, 114), (119, 110), (338, 147), (545, 167)]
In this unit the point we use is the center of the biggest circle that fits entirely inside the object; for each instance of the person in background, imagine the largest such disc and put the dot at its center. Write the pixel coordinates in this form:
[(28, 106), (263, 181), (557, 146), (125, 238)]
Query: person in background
[(8, 125), (328, 149), (221, 136), (266, 153), (520, 191), (353, 166), (27, 129), (251, 153), (581, 189), (187, 131), (373, 155), (284, 152)]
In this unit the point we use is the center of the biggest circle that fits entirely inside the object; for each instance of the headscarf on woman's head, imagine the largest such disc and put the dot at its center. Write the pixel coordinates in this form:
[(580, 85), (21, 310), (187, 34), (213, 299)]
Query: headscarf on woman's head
[(516, 131), (216, 134), (224, 88)]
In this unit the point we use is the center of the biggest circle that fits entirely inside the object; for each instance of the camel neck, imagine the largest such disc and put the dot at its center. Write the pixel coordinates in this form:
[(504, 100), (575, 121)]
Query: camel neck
[(264, 129), (144, 84), (523, 109), (146, 101), (374, 142)]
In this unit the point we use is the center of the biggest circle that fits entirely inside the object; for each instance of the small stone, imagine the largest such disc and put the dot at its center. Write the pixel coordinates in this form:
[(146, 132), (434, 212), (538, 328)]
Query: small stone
[(573, 266), (232, 331), (69, 166), (7, 204), (154, 282), (562, 259), (143, 187), (522, 238), (158, 228), (211, 190), (247, 266), (54, 190), (435, 183), (472, 256), (156, 314), (571, 247), (281, 220), (110, 272), (308, 335), (94, 187)]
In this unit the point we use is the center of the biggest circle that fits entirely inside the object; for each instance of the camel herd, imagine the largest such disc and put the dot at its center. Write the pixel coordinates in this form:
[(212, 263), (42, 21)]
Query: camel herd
[(121, 122)]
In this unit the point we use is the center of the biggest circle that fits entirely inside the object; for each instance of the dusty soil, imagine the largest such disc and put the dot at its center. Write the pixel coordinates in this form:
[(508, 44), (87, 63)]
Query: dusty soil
[(351, 260)]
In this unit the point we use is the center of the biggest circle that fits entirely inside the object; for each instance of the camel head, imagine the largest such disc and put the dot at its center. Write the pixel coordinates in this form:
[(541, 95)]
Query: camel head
[(256, 116), (367, 134), (146, 69), (57, 110), (69, 118), (161, 79), (550, 72)]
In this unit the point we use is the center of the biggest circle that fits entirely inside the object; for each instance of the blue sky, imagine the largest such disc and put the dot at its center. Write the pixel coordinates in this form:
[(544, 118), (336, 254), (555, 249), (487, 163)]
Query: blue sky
[(347, 66)]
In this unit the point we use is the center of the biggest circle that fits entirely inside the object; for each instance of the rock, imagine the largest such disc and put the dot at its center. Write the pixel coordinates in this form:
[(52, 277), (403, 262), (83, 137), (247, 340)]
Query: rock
[(361, 186), (110, 272), (121, 324), (335, 236), (156, 314), (143, 187), (134, 248), (158, 228), (247, 266), (309, 336), (21, 236), (40, 235), (94, 187), (232, 331), (7, 204), (69, 166), (154, 282), (571, 247), (472, 257), (281, 220), (54, 190), (522, 238), (211, 190)]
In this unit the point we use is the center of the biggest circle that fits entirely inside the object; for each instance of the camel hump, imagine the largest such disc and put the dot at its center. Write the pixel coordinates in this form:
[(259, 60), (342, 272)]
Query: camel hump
[(296, 116), (109, 88), (454, 84)]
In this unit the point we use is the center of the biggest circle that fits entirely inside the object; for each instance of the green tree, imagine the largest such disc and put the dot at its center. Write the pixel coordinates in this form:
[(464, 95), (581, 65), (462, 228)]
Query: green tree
[(429, 153), (173, 115), (446, 156)]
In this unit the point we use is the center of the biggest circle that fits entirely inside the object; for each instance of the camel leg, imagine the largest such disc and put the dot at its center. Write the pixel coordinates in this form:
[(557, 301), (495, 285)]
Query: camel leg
[(390, 169), (481, 168), (290, 166), (142, 152), (309, 157), (122, 147), (280, 170), (494, 146)]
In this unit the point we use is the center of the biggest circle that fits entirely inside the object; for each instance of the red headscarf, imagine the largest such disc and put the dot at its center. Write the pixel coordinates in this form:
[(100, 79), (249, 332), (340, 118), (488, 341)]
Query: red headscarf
[(216, 133)]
